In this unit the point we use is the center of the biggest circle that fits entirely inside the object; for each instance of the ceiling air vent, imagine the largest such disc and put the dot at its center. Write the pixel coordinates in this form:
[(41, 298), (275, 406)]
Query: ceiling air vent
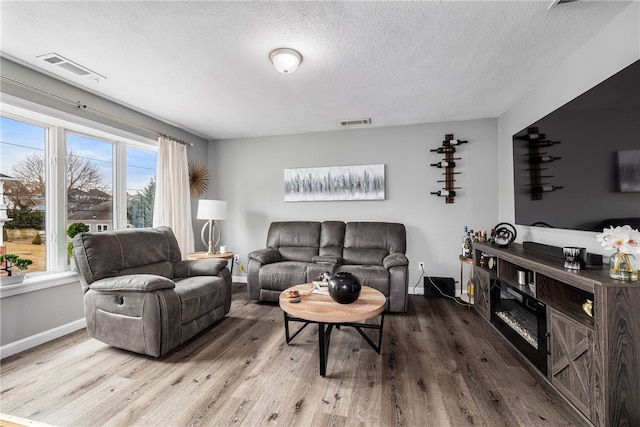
[(70, 66), (355, 122), (559, 2)]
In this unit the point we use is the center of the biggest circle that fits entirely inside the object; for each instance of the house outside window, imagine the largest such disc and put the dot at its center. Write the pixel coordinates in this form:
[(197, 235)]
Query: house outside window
[(90, 165), (104, 180), (22, 187)]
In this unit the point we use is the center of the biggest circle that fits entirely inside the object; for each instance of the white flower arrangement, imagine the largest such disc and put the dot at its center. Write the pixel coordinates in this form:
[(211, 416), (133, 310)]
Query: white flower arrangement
[(625, 239)]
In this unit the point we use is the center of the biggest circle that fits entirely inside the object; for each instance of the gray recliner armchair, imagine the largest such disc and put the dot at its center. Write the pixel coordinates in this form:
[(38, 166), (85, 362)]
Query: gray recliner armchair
[(140, 296)]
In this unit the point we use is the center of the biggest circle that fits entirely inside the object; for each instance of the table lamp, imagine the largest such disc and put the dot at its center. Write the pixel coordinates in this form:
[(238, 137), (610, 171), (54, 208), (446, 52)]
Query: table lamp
[(211, 210)]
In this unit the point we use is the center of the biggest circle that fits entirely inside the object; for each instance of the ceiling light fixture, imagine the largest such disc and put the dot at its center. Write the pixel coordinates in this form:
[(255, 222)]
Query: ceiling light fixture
[(285, 60)]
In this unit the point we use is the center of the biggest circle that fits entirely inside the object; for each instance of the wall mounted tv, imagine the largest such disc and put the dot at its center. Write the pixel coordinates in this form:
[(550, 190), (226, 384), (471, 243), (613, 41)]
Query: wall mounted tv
[(578, 168)]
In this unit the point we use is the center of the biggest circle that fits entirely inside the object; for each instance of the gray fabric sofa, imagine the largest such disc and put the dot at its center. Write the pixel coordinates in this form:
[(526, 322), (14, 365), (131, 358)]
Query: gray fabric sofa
[(140, 296), (299, 251)]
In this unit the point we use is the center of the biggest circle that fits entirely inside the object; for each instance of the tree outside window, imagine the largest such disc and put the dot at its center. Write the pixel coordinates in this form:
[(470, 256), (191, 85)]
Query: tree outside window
[(141, 186)]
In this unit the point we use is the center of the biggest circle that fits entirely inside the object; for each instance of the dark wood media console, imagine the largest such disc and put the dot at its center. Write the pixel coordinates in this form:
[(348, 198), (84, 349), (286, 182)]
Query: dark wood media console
[(593, 361)]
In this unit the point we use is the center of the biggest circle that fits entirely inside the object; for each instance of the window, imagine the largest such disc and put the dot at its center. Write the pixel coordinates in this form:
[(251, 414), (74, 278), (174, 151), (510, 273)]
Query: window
[(22, 187), (89, 181), (106, 180), (141, 186)]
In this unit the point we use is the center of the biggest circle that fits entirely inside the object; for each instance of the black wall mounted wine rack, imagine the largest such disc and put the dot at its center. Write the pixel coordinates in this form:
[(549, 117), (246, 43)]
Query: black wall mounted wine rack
[(448, 148), (537, 159)]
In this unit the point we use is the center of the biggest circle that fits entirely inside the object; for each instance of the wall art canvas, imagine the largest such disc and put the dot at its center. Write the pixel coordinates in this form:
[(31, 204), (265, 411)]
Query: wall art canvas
[(629, 170), (365, 182)]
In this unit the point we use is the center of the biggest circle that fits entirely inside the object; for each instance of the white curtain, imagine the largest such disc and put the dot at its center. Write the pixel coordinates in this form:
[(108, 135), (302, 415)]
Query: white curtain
[(172, 205)]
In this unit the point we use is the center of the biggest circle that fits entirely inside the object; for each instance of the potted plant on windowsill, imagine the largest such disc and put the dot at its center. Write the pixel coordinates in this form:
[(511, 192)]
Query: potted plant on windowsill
[(10, 261)]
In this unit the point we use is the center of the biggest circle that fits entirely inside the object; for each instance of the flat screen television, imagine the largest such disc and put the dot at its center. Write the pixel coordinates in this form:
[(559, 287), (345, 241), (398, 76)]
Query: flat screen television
[(578, 168)]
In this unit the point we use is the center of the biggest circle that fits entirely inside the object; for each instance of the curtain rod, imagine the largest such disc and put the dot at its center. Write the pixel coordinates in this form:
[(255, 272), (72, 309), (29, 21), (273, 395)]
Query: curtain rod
[(85, 107)]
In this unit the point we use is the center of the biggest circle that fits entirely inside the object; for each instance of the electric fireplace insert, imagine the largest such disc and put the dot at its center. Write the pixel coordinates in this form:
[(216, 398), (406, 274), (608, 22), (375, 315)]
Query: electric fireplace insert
[(521, 319)]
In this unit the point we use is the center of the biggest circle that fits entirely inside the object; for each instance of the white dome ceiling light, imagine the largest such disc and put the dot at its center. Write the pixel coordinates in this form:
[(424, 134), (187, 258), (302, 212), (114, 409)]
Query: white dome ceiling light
[(285, 60)]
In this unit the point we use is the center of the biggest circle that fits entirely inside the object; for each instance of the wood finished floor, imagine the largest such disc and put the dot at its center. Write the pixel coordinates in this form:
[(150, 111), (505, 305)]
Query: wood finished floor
[(441, 365)]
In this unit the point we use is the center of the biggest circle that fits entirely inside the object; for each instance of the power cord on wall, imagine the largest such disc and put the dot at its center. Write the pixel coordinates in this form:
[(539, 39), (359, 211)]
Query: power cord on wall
[(423, 274), (418, 282)]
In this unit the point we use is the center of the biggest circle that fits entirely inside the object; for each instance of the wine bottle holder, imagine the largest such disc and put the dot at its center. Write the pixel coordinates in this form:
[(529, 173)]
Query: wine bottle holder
[(537, 159), (448, 148)]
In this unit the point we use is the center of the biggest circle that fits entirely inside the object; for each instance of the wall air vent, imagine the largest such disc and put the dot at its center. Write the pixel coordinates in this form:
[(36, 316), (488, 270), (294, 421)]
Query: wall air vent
[(355, 122), (70, 66), (559, 2)]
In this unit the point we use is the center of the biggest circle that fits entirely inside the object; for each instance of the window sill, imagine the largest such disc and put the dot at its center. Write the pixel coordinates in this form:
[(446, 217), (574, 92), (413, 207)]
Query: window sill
[(39, 282)]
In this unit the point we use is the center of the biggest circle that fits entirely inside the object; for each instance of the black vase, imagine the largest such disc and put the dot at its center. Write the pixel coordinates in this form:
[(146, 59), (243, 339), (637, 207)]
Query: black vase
[(344, 287)]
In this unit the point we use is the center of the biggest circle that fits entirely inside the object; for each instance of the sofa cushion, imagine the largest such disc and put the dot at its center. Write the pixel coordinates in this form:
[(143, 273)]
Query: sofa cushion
[(281, 275), (199, 267), (332, 238), (369, 243), (164, 269), (295, 240), (199, 295)]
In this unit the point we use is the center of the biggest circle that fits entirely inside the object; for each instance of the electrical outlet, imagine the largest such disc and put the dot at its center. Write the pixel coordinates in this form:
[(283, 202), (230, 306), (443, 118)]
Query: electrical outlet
[(421, 266), (236, 258)]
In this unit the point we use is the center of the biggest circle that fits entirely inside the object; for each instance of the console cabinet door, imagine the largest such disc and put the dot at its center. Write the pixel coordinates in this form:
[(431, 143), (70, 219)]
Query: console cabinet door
[(481, 284), (570, 360)]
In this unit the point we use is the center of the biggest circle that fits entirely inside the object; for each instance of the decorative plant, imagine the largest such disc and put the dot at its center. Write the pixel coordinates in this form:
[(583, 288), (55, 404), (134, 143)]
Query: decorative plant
[(626, 241), (12, 260), (72, 230)]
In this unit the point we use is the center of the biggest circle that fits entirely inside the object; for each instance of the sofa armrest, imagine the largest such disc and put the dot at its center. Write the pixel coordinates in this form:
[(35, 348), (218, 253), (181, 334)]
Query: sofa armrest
[(266, 256), (133, 283), (199, 267), (395, 259), (326, 259)]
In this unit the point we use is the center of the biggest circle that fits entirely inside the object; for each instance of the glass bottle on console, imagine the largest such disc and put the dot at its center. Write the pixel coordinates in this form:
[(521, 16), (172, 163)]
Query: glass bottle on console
[(466, 243)]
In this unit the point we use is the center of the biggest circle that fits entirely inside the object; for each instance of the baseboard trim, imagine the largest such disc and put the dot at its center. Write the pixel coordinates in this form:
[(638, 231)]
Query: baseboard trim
[(41, 338), (239, 279)]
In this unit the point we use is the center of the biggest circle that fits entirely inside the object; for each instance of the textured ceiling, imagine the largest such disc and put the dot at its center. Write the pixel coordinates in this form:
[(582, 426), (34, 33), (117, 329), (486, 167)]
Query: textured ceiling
[(204, 67)]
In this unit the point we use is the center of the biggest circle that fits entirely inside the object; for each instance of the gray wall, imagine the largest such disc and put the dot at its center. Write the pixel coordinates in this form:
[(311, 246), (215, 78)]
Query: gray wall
[(29, 314), (614, 48), (249, 176)]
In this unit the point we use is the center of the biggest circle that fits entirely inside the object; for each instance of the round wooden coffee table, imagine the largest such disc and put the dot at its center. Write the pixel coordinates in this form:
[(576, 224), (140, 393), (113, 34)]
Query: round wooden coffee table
[(327, 313)]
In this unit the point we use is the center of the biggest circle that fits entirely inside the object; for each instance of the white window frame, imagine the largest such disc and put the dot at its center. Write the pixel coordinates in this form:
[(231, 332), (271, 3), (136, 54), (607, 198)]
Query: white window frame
[(58, 123)]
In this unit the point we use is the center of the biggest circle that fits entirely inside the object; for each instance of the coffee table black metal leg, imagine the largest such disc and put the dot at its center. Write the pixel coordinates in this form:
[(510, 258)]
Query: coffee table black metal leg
[(358, 327), (324, 337), (287, 319)]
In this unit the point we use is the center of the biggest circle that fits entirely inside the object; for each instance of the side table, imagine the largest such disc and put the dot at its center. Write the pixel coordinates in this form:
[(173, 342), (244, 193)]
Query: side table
[(203, 255)]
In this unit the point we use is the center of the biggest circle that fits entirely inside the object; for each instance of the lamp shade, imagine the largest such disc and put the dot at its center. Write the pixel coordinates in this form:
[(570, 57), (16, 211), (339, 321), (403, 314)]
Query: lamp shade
[(212, 209), (285, 61)]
